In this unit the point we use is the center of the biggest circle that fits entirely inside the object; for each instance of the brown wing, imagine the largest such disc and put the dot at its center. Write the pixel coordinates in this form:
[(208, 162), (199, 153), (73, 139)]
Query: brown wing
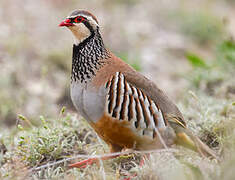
[(125, 102), (139, 81), (168, 108)]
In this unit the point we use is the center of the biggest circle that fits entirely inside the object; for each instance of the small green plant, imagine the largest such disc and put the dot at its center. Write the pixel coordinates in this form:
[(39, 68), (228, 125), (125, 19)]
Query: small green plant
[(226, 52), (52, 140), (196, 61), (209, 75), (46, 143)]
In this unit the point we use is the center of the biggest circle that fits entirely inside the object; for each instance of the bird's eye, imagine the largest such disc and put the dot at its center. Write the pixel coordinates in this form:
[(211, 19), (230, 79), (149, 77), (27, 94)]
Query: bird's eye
[(79, 19)]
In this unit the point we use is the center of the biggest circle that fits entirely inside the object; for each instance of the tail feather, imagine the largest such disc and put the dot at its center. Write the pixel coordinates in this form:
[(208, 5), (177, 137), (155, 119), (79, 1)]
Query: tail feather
[(187, 139), (191, 141)]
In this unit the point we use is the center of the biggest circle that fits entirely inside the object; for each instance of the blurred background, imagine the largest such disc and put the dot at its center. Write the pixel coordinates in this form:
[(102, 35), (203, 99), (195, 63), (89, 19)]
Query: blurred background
[(163, 39), (153, 36)]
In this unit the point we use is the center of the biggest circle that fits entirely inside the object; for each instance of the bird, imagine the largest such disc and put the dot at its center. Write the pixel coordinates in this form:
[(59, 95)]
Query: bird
[(126, 109)]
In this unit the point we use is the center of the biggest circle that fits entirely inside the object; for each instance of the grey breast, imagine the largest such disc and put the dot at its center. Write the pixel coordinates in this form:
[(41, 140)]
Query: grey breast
[(89, 101)]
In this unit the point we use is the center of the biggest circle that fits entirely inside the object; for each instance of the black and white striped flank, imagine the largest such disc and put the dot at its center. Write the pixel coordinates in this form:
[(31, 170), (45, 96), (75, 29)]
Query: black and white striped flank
[(128, 103)]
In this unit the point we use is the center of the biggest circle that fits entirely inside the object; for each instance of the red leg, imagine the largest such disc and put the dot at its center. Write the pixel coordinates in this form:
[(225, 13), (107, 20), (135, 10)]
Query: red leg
[(130, 177), (142, 161), (83, 164), (90, 161)]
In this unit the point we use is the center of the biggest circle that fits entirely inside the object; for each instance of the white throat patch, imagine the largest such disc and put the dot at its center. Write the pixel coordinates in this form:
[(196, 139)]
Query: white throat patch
[(80, 32)]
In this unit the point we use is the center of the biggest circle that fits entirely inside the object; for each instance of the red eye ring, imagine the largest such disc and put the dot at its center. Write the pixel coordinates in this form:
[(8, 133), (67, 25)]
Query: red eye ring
[(68, 20), (79, 19)]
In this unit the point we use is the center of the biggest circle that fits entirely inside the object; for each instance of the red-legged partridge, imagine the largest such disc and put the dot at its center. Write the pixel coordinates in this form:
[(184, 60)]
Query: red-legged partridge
[(127, 110)]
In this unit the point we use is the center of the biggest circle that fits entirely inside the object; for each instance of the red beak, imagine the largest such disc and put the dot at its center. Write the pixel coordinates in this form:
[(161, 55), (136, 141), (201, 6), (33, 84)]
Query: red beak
[(66, 22)]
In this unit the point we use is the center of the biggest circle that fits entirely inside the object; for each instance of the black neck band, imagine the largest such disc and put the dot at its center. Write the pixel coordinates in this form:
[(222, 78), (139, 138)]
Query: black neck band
[(88, 57)]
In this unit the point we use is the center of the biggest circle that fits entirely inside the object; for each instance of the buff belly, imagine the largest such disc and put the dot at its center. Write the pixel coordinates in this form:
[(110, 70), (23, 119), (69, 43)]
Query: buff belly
[(119, 133)]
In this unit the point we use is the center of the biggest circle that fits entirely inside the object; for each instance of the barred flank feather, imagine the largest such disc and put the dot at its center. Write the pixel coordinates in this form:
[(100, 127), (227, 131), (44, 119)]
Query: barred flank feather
[(128, 103)]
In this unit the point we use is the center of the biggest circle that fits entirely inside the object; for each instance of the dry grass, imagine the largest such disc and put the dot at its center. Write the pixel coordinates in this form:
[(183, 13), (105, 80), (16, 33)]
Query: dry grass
[(35, 58)]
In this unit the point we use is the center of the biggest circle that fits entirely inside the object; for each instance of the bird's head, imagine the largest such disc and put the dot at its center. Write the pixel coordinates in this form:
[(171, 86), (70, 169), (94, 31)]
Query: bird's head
[(82, 23)]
